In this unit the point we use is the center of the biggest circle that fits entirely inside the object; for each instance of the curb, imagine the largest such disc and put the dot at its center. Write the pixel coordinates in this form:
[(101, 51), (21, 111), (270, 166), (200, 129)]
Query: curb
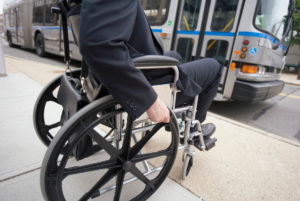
[(291, 83), (274, 136), (20, 59)]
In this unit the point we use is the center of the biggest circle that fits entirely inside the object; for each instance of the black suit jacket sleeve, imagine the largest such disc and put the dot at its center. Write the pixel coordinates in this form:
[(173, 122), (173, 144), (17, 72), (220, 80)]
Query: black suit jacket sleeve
[(107, 31)]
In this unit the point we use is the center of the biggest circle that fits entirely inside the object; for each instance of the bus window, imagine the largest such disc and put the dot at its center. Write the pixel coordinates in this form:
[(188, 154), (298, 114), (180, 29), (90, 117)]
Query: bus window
[(51, 19), (217, 49), (38, 12), (156, 11), (190, 15), (224, 14), (5, 18), (20, 17), (184, 48), (12, 21)]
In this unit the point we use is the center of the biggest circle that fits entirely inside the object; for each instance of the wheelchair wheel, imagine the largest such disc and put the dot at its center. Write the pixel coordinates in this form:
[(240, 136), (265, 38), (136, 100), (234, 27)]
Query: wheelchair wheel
[(104, 174), (44, 130), (187, 165)]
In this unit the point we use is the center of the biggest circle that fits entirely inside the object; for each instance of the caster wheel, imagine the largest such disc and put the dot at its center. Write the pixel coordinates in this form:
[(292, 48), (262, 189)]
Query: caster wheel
[(187, 165)]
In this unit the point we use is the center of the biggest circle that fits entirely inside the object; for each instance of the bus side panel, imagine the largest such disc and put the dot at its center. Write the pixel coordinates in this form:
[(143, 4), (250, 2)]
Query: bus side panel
[(27, 23), (167, 27), (245, 24)]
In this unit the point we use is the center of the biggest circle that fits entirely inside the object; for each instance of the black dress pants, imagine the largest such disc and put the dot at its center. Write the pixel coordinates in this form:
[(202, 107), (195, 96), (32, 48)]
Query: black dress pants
[(207, 74)]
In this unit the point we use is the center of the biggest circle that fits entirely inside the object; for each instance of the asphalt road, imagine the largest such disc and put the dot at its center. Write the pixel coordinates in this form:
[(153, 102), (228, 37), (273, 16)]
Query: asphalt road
[(279, 115)]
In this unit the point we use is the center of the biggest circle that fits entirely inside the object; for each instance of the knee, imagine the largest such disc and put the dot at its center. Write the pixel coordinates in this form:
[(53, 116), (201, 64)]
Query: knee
[(214, 64)]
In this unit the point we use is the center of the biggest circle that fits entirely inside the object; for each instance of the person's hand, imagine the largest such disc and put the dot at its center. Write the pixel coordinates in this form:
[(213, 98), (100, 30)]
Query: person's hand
[(159, 112)]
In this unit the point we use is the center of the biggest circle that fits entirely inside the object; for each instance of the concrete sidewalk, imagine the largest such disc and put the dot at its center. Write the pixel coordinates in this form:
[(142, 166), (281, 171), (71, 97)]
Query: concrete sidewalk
[(246, 164), (289, 78)]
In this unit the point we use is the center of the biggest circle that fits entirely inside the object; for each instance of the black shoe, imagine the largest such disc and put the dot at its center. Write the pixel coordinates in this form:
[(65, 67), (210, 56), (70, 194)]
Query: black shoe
[(207, 130)]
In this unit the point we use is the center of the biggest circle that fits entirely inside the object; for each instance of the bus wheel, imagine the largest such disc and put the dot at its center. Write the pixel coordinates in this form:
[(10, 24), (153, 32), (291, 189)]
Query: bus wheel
[(40, 45)]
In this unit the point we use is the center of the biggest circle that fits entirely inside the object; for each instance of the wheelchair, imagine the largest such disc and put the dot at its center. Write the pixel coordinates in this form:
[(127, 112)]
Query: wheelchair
[(126, 160)]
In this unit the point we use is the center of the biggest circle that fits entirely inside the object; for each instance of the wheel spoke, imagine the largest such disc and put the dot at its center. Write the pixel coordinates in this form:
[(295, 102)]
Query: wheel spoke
[(86, 168), (119, 185), (127, 138), (136, 172), (48, 127), (142, 157), (112, 151), (106, 178), (140, 144)]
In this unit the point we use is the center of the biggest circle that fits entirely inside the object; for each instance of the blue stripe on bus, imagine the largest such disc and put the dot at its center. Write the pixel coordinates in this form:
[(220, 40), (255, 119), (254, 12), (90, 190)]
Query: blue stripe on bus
[(282, 47), (157, 30), (189, 32), (261, 35), (212, 33), (49, 28), (11, 28), (208, 33)]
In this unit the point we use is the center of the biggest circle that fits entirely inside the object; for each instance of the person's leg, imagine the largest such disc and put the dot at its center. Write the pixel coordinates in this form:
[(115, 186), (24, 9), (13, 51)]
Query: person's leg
[(173, 54), (207, 74)]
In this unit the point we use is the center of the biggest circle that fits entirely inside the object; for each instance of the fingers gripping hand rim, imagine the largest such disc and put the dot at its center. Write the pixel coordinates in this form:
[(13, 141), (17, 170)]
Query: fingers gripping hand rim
[(159, 112)]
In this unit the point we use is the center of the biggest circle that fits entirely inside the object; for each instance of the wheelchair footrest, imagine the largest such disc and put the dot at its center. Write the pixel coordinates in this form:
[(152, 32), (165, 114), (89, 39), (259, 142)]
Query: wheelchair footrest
[(209, 143)]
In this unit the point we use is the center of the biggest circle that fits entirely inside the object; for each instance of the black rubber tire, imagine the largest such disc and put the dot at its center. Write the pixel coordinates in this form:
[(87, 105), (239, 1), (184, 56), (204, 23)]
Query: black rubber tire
[(40, 45), (187, 165), (54, 170), (46, 95)]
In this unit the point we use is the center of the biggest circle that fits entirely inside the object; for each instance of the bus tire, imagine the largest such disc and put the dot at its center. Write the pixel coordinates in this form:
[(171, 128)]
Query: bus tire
[(40, 45)]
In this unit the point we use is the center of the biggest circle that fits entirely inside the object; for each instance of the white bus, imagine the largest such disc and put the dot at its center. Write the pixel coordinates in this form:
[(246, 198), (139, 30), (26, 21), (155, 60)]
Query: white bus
[(250, 38)]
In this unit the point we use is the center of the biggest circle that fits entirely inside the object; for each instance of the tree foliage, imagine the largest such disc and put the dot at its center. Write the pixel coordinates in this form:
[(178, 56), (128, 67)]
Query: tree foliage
[(296, 33)]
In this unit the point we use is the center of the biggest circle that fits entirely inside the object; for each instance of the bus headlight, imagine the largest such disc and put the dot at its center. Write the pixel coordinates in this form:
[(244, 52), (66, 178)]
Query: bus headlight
[(261, 70), (249, 69)]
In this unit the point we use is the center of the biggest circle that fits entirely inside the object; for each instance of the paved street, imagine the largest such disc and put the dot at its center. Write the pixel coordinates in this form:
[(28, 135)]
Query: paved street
[(279, 115)]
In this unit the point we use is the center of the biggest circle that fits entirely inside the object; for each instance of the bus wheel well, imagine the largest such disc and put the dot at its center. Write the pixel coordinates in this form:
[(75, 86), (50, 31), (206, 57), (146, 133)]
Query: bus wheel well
[(35, 35)]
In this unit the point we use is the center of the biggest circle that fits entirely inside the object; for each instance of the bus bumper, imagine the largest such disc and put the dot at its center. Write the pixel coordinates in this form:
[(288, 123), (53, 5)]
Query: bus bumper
[(255, 91)]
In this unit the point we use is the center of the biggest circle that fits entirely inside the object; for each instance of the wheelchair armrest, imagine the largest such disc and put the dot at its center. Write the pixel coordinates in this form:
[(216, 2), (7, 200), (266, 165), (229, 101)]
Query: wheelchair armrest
[(155, 61)]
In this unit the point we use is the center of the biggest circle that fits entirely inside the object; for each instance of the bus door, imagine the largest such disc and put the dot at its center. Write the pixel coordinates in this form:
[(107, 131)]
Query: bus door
[(51, 27), (161, 16), (206, 29), (19, 26), (13, 26), (189, 15), (222, 21)]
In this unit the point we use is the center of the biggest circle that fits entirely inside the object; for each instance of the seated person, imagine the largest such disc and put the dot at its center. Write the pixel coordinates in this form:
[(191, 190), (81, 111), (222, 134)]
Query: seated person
[(112, 33)]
